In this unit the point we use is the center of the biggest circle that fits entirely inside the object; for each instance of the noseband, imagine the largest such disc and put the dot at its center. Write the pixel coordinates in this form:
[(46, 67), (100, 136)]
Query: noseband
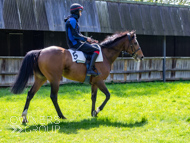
[(131, 46)]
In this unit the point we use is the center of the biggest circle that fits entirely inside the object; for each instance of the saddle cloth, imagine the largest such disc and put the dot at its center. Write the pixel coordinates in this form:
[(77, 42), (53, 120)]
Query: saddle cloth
[(78, 56)]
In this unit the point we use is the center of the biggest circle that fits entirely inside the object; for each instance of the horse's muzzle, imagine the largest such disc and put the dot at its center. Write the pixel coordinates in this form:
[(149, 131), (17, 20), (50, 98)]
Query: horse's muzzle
[(142, 58)]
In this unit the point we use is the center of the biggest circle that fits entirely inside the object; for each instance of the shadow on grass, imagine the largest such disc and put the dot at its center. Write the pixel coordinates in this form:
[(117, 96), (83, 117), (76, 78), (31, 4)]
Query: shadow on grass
[(73, 126)]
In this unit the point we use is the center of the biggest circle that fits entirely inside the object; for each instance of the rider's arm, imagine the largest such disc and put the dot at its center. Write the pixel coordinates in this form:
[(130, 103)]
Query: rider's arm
[(80, 37), (75, 33)]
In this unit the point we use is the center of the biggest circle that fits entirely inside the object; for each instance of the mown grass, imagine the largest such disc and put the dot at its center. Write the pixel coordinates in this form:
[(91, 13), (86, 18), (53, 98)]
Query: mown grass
[(136, 112)]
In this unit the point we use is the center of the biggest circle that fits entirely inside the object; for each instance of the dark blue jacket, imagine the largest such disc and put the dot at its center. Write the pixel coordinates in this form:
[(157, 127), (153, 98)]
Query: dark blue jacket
[(73, 35)]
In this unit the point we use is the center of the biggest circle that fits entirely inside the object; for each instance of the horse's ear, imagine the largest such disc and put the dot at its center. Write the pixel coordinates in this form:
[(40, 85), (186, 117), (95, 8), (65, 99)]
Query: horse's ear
[(133, 32)]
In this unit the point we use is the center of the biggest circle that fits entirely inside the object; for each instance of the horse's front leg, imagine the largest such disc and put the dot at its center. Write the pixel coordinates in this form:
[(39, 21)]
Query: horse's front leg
[(101, 85), (93, 97)]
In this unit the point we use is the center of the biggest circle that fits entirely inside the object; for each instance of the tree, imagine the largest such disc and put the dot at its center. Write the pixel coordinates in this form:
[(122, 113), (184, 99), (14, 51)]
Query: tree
[(174, 2)]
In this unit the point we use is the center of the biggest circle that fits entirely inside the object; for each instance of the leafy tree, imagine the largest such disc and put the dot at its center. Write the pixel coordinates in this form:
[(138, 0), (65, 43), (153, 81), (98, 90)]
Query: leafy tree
[(174, 2)]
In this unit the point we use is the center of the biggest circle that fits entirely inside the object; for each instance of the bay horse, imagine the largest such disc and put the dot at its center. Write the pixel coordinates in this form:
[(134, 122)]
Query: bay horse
[(53, 62)]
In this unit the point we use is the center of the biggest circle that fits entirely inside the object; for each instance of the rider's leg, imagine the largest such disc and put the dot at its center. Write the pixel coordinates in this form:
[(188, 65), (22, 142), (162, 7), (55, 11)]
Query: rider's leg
[(92, 62), (87, 48)]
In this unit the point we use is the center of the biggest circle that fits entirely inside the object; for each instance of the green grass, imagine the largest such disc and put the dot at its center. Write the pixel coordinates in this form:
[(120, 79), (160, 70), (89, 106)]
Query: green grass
[(136, 112)]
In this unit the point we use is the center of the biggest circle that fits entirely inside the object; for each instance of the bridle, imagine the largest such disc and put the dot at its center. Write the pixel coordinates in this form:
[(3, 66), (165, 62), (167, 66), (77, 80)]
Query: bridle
[(134, 51)]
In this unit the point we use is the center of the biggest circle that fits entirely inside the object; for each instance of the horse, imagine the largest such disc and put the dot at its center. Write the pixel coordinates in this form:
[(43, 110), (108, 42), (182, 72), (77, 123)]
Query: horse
[(53, 62)]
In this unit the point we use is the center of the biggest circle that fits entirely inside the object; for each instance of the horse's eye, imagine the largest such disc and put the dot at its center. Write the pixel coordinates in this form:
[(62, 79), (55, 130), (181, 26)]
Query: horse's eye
[(135, 43)]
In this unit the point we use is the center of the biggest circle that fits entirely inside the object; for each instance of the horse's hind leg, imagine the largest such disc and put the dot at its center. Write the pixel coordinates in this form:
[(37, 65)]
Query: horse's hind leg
[(53, 96), (37, 84)]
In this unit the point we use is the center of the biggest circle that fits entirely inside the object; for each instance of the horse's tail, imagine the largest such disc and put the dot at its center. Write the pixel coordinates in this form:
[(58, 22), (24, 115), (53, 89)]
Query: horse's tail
[(30, 61)]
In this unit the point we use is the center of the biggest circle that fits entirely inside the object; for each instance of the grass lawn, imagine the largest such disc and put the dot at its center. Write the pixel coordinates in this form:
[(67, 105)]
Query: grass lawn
[(136, 112)]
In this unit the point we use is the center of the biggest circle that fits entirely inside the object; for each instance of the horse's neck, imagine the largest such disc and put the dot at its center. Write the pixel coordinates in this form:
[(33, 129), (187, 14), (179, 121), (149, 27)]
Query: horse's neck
[(112, 53)]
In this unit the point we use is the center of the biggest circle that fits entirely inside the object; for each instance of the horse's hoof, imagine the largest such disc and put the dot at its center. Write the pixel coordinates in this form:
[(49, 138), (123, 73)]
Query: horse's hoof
[(24, 121), (62, 117), (94, 113)]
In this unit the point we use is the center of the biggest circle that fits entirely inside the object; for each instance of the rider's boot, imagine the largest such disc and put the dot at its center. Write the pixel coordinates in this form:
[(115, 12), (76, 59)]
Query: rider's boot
[(90, 70)]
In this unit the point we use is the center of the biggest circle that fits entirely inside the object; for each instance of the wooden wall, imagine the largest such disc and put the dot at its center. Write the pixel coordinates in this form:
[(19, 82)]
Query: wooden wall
[(123, 70), (150, 69)]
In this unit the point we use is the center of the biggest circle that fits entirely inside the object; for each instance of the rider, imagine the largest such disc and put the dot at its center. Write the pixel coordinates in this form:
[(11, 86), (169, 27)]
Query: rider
[(78, 41)]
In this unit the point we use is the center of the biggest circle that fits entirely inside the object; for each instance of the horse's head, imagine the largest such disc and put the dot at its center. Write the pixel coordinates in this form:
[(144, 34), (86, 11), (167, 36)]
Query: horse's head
[(132, 46)]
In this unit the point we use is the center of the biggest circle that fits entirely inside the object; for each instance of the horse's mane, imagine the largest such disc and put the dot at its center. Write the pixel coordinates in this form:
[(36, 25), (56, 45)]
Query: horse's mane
[(111, 40)]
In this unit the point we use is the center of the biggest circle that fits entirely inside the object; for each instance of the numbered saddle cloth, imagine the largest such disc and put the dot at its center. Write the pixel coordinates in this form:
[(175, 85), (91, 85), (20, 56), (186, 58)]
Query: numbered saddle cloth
[(80, 57)]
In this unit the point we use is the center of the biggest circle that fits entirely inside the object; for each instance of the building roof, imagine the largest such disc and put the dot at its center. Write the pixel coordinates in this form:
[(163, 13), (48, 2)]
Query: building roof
[(98, 16)]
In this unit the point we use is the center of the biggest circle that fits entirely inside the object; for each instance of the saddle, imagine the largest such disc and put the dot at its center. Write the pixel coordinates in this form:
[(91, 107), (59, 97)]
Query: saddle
[(80, 57)]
